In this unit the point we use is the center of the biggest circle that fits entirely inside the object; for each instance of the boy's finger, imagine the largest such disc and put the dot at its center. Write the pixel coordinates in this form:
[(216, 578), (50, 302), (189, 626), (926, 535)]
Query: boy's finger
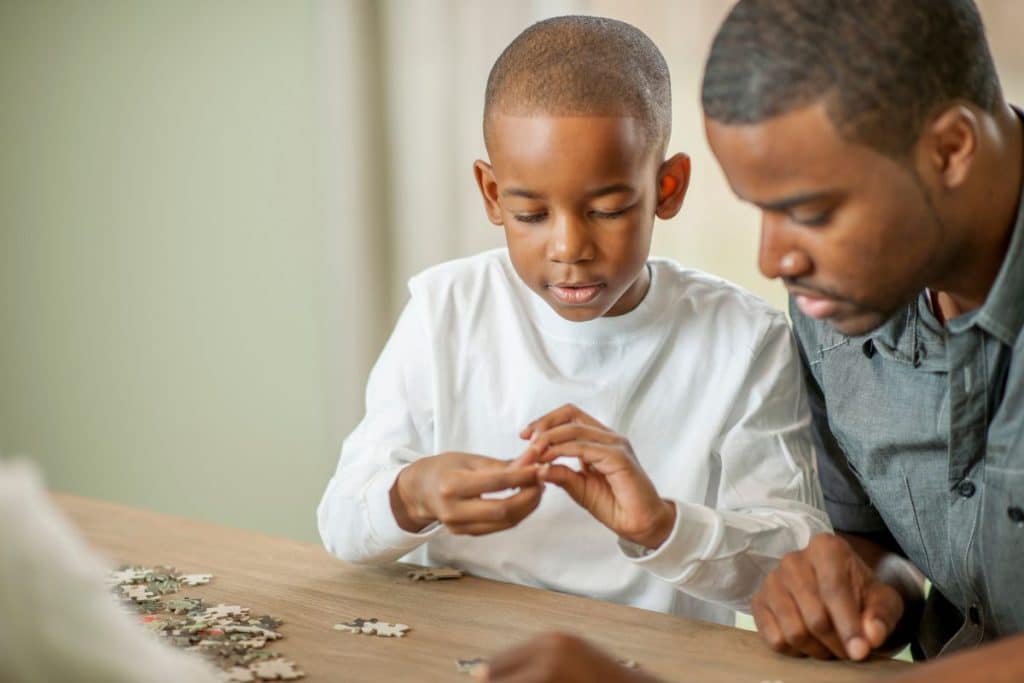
[(475, 482), (574, 483), (603, 458), (561, 415), (572, 431), (480, 516)]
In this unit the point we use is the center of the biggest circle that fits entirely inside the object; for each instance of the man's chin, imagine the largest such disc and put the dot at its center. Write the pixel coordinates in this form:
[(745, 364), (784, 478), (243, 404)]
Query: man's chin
[(858, 323)]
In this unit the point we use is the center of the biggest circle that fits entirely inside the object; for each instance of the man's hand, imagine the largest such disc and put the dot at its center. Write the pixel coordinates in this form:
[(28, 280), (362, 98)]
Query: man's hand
[(448, 488), (611, 485), (824, 601), (556, 657)]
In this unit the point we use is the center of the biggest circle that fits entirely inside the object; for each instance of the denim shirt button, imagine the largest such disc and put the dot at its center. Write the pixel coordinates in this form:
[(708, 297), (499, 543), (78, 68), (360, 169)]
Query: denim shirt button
[(869, 348), (966, 488), (1016, 515)]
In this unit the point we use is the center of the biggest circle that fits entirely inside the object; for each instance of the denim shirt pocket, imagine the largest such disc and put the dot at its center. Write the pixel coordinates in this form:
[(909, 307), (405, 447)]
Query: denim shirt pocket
[(1001, 546)]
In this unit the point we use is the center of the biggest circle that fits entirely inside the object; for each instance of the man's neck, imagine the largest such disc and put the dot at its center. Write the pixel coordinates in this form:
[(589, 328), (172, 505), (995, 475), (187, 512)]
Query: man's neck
[(992, 219)]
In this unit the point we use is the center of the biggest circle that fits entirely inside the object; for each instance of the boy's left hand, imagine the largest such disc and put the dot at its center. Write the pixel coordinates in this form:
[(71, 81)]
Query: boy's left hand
[(611, 485)]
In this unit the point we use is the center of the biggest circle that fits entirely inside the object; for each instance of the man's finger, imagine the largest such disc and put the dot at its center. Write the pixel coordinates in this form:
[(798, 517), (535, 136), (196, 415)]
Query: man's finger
[(843, 605), (883, 608), (791, 623), (770, 631), (813, 612)]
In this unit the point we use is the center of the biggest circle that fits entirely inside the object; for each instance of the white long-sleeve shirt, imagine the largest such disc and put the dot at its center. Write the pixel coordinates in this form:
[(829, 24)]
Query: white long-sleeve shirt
[(701, 377)]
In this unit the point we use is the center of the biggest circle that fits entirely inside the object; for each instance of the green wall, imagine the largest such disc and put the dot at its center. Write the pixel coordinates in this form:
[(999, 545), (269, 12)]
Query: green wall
[(161, 256)]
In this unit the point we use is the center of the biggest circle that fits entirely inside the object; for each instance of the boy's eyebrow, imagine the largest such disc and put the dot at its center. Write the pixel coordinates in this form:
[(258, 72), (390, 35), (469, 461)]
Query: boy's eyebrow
[(794, 200), (520, 192), (599, 192)]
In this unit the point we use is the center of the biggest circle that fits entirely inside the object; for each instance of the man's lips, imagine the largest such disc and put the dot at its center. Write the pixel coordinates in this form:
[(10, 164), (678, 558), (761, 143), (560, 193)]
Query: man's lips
[(817, 307), (576, 294)]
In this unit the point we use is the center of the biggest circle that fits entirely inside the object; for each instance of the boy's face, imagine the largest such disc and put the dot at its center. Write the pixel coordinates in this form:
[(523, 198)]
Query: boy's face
[(577, 197)]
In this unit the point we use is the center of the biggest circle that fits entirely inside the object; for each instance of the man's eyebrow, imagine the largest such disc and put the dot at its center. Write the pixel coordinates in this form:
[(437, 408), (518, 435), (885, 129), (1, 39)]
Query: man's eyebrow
[(795, 200)]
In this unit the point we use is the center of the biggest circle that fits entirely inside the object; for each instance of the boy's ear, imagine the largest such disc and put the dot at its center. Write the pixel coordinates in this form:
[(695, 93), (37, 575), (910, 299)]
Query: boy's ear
[(673, 181), (488, 190)]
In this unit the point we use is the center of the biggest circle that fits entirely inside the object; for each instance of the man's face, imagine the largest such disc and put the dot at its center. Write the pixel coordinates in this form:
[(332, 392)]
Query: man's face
[(576, 197), (851, 231)]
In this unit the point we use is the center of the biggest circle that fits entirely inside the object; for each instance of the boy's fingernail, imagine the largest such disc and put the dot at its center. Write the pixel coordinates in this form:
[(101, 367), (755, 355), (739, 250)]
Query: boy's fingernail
[(857, 648)]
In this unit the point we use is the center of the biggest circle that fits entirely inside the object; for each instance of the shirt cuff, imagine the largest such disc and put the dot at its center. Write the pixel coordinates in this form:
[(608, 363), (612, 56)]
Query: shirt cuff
[(696, 531), (383, 526)]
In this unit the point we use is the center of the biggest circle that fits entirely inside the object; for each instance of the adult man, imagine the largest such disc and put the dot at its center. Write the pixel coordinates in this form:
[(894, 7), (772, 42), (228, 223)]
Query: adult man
[(876, 141)]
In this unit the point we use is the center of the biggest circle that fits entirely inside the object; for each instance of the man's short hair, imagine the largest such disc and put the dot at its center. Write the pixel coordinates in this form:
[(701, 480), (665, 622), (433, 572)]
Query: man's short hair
[(881, 67), (583, 66)]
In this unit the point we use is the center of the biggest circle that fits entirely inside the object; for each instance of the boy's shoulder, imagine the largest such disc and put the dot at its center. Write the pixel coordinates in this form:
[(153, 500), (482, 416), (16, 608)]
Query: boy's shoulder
[(708, 294), (464, 276)]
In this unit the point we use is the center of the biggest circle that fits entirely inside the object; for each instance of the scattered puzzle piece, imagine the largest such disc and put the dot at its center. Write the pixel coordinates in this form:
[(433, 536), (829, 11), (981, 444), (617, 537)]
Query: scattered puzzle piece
[(470, 666), (237, 674), (276, 670), (137, 592), (373, 627), (195, 579), (223, 611), (434, 574), (182, 605)]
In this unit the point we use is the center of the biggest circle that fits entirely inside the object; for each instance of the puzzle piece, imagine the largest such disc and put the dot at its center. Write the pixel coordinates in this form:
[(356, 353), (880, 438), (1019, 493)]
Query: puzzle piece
[(222, 611), (182, 605), (195, 579), (628, 663), (276, 670), (434, 574), (373, 627), (237, 674), (470, 666), (137, 592)]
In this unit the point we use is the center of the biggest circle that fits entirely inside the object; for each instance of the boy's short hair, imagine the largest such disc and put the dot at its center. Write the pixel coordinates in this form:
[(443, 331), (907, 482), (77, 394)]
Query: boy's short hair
[(583, 66), (881, 67)]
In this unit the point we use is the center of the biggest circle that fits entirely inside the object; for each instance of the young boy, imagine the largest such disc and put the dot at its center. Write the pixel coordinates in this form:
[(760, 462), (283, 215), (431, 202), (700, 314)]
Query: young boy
[(682, 438)]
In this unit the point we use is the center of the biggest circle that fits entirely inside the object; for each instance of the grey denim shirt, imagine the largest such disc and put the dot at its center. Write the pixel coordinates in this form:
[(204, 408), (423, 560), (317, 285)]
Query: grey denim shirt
[(920, 432)]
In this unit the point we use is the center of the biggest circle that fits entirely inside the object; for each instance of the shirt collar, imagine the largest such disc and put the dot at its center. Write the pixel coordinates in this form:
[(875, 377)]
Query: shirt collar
[(1002, 314)]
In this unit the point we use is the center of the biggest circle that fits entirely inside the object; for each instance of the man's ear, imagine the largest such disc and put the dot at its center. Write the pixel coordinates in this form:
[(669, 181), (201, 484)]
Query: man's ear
[(949, 145), (488, 190), (673, 181)]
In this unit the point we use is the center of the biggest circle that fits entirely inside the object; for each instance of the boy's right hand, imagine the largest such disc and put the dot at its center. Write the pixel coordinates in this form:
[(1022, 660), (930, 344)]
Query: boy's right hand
[(448, 487)]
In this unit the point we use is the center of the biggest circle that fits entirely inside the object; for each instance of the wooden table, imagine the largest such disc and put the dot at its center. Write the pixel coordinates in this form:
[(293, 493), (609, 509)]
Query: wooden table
[(311, 591)]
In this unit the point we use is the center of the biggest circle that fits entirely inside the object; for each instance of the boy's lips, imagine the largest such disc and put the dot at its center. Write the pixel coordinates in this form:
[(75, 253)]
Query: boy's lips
[(576, 294)]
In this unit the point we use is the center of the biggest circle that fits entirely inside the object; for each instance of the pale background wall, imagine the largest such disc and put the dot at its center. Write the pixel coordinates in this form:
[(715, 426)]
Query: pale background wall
[(208, 211)]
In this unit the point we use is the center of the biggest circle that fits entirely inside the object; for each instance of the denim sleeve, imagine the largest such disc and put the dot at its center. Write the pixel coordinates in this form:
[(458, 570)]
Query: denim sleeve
[(848, 505)]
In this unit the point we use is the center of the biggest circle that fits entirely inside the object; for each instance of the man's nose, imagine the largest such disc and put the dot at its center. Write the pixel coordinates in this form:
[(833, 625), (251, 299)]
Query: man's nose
[(779, 255)]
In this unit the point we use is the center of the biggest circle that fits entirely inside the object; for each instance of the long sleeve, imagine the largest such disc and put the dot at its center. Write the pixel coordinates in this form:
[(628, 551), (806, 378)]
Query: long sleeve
[(354, 516), (768, 499), (58, 622)]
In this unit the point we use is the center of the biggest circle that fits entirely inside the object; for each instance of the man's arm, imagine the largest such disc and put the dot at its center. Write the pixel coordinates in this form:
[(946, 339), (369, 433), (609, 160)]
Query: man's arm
[(1001, 662)]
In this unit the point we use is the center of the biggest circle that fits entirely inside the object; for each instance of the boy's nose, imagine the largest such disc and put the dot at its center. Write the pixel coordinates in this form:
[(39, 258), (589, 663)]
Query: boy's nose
[(570, 242)]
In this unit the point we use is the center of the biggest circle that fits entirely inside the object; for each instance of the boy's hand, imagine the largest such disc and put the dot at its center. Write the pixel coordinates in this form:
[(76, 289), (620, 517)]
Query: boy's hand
[(611, 485), (447, 488)]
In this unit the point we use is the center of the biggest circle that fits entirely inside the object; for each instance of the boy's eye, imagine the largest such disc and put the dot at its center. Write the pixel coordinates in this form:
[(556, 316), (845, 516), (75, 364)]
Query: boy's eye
[(530, 217), (618, 213)]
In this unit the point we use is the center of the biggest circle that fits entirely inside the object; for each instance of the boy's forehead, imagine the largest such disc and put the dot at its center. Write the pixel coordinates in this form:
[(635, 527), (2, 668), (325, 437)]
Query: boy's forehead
[(541, 136)]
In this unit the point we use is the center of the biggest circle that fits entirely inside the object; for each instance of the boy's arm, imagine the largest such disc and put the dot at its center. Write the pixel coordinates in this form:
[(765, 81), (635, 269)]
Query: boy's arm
[(354, 517), (769, 500)]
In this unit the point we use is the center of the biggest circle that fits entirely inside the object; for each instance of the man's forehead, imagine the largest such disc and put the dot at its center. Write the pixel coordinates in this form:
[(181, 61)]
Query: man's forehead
[(796, 153)]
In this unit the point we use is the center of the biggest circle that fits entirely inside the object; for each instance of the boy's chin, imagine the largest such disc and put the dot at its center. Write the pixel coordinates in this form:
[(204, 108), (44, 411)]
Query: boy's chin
[(576, 314)]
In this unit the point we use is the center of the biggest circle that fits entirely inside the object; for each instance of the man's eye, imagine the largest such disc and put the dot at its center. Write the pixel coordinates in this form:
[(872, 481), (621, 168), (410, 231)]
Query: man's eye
[(530, 217), (813, 220)]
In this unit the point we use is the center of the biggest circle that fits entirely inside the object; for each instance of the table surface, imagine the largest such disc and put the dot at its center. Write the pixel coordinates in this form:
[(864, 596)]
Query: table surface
[(470, 617)]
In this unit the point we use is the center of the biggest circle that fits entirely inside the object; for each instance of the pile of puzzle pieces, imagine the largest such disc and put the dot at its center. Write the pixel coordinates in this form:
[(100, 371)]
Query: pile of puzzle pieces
[(226, 634)]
